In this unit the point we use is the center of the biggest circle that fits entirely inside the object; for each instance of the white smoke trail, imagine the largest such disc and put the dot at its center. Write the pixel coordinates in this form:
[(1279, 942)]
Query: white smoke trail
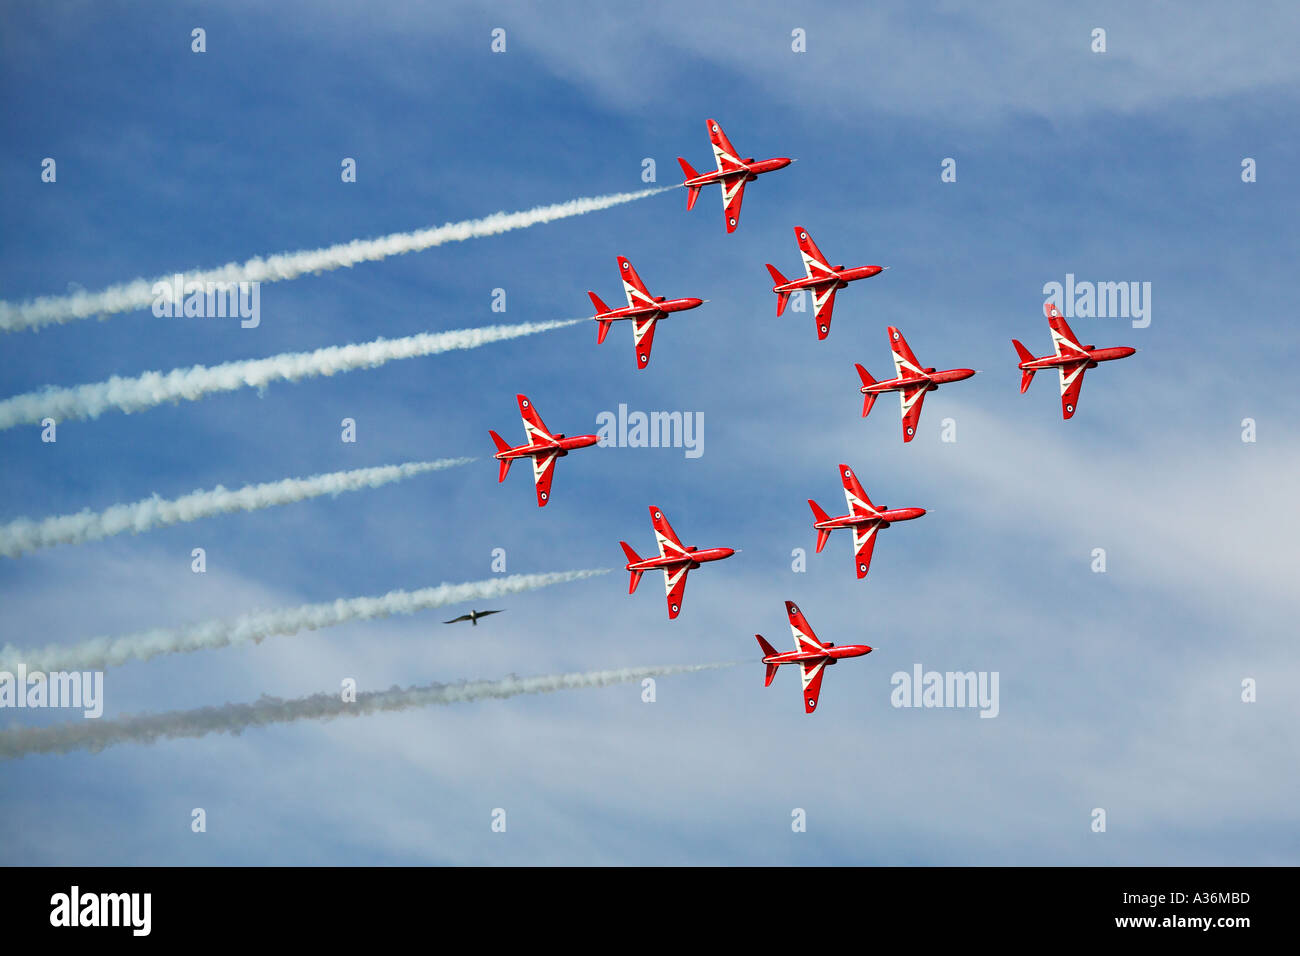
[(95, 735), (24, 534), (153, 388), (140, 294), (101, 652)]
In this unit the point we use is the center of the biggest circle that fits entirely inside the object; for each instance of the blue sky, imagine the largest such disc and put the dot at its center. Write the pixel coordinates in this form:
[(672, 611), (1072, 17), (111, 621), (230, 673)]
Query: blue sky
[(1118, 690)]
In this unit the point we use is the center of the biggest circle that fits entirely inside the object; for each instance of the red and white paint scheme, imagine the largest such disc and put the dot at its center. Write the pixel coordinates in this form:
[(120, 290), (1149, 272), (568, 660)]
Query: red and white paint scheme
[(822, 281), (812, 656), (642, 308), (732, 175), (1071, 359), (864, 520), (542, 447), (675, 560), (911, 383)]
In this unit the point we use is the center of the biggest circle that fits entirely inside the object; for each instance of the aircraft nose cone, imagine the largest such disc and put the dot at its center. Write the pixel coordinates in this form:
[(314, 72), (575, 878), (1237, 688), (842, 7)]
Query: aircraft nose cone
[(694, 303)]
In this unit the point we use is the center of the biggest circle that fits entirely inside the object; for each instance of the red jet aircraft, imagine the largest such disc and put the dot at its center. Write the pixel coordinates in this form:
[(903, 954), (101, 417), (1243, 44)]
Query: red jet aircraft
[(911, 384), (812, 656), (732, 174), (1071, 359), (675, 560), (823, 281), (542, 447), (864, 520), (642, 308)]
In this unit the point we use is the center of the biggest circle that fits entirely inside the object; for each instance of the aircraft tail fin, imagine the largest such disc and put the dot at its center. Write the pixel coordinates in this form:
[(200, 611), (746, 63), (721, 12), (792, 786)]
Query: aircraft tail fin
[(602, 330), (692, 192), (632, 558), (601, 307), (782, 298), (823, 534), (502, 445), (768, 651), (868, 398), (1027, 375)]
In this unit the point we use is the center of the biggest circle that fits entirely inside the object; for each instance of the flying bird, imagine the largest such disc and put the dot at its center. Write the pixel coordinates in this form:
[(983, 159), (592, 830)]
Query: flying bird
[(472, 617)]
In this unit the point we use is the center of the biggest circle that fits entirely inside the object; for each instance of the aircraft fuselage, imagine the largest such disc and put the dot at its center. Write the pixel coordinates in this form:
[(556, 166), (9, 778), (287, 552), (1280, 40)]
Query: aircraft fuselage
[(885, 517), (840, 278), (749, 172), (830, 655), (1094, 356), (659, 310), (565, 445), (932, 379), (694, 558)]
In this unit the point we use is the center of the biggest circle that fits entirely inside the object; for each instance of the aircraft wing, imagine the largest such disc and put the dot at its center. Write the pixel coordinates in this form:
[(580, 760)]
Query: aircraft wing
[(454, 620), (812, 673), (804, 638), (814, 263), (905, 361), (675, 585), (1071, 384), (633, 287), (670, 546), (543, 472), (733, 194), (723, 152), (1064, 341), (535, 429), (823, 306), (912, 398), (864, 542), (643, 338), (854, 494)]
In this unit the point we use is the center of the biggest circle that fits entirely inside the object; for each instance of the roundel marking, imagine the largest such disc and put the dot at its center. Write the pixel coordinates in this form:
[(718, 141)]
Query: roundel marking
[(674, 608), (625, 265), (732, 221), (825, 329), (910, 429), (1069, 408), (644, 358), (895, 335), (811, 703), (862, 568), (525, 403), (803, 235), (544, 496), (848, 473), (793, 610), (658, 516), (715, 127)]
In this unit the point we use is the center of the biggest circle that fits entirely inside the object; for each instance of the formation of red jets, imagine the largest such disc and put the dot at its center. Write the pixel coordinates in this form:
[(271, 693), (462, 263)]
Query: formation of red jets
[(911, 381)]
